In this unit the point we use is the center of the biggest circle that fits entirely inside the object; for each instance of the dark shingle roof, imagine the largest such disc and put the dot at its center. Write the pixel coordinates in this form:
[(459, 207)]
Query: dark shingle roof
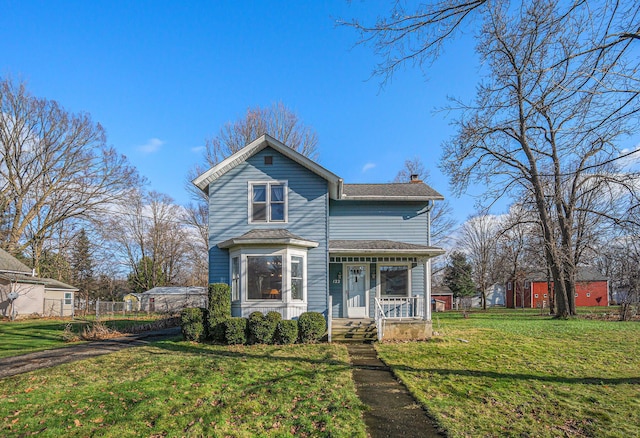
[(381, 246), (10, 263), (275, 236), (416, 191)]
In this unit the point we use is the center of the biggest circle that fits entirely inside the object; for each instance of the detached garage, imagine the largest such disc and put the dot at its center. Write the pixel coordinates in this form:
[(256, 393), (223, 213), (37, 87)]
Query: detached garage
[(172, 298)]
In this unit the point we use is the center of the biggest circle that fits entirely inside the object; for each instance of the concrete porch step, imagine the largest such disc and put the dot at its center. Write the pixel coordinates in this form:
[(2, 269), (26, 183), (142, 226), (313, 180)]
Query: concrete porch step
[(359, 330)]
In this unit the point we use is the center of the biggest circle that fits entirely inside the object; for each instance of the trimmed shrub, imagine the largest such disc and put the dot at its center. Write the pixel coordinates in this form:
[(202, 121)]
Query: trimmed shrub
[(262, 328), (192, 323), (311, 327), (274, 316), (235, 331), (287, 331), (219, 310)]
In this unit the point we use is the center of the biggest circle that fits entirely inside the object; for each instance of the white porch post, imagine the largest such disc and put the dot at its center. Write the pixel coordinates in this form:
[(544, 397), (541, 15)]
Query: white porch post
[(427, 290)]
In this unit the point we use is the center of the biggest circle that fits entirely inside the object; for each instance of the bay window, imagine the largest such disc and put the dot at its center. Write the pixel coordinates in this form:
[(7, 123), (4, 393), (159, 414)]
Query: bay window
[(235, 279), (297, 278), (264, 277), (267, 275)]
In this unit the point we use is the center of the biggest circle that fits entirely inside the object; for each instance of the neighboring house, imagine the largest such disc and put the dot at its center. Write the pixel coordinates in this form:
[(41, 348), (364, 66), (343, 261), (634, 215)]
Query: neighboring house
[(24, 294), (442, 298), (169, 299), (289, 236), (495, 296), (592, 289)]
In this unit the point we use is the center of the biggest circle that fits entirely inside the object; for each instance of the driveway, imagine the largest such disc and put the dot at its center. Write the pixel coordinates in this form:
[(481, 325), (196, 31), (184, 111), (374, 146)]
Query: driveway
[(10, 366)]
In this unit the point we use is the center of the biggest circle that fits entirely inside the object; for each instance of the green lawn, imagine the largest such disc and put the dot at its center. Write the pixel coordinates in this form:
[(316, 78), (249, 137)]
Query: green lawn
[(514, 373), (182, 389), (20, 337)]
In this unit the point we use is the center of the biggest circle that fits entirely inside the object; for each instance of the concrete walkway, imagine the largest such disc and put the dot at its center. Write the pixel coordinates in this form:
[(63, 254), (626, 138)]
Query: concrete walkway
[(10, 366), (393, 412)]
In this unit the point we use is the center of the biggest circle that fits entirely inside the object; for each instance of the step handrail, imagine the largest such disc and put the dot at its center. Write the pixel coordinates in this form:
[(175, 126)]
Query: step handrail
[(380, 319)]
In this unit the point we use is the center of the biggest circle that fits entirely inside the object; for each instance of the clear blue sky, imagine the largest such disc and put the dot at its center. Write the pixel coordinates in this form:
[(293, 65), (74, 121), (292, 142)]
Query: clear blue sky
[(162, 76)]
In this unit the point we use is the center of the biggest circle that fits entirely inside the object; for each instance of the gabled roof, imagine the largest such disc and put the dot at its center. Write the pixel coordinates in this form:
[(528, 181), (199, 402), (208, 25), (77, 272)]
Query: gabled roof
[(12, 269), (441, 290), (412, 191), (10, 263), (203, 181), (382, 247), (277, 236), (27, 278)]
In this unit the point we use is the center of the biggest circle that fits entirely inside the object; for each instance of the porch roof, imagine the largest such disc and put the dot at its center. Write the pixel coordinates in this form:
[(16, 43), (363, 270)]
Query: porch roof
[(276, 236), (386, 247)]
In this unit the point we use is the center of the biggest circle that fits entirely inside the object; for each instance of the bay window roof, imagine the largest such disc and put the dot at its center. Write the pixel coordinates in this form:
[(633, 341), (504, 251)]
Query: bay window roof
[(268, 237)]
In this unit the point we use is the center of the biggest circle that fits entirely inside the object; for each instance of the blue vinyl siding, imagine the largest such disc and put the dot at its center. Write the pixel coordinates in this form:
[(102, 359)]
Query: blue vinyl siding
[(335, 289), (378, 220), (307, 216)]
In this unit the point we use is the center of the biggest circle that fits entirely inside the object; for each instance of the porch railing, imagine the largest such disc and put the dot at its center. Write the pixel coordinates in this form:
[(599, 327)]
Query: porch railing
[(401, 307), (397, 308)]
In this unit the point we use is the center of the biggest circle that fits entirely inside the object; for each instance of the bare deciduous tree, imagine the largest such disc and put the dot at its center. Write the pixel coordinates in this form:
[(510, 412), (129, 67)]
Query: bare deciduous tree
[(148, 234), (277, 120), (479, 239), (561, 91), (55, 167), (442, 221)]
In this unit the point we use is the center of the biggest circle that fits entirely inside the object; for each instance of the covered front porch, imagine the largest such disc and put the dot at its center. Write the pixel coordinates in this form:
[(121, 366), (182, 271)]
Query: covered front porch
[(383, 281)]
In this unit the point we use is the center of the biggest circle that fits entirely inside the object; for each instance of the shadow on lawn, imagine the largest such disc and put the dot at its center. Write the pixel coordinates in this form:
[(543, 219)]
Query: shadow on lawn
[(246, 352), (313, 379), (519, 376)]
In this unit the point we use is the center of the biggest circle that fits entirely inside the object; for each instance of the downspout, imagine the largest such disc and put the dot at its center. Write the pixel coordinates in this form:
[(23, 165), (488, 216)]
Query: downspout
[(427, 268)]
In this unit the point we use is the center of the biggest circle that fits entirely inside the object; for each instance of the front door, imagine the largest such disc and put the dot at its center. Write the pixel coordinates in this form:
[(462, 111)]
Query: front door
[(356, 290)]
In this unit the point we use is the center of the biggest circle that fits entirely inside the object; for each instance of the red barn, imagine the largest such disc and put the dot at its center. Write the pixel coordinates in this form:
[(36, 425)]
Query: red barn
[(592, 289), (443, 295)]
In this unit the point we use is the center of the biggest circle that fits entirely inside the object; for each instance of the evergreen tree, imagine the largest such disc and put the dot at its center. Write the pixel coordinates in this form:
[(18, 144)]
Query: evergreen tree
[(457, 277), (145, 276), (55, 265), (82, 265)]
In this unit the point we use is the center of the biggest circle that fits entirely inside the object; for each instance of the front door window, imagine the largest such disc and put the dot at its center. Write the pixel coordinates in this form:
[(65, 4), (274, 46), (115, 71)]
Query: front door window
[(356, 292)]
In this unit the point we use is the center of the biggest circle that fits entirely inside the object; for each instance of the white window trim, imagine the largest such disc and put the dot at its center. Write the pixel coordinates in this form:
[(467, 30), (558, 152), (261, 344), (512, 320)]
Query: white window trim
[(286, 253), (345, 284), (268, 220), (379, 281), (239, 284), (70, 299)]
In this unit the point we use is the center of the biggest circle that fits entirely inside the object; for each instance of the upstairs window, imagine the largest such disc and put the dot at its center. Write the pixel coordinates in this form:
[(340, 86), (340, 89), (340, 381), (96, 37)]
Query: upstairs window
[(268, 202)]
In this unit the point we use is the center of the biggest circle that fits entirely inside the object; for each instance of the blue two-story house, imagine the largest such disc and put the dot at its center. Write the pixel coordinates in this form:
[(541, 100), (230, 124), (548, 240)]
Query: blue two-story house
[(289, 236)]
